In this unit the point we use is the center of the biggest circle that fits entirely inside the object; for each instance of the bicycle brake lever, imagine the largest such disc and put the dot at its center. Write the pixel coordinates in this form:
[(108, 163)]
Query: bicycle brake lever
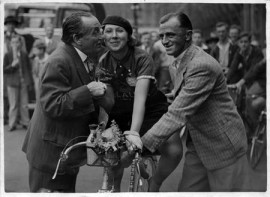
[(63, 157)]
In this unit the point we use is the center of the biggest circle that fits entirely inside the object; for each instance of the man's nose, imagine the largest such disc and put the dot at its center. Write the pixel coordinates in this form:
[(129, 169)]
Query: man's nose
[(164, 40)]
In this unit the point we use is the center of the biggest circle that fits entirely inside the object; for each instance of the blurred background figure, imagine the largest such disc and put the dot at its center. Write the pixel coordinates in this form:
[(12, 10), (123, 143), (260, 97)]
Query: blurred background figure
[(162, 62), (248, 74), (154, 36), (225, 49), (211, 43), (41, 56), (197, 39), (245, 58), (146, 42), (50, 42), (136, 35), (10, 24), (234, 33), (18, 79)]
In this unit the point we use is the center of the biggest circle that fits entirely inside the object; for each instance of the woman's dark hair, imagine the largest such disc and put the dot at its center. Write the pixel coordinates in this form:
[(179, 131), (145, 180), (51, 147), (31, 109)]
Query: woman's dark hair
[(73, 25), (182, 18)]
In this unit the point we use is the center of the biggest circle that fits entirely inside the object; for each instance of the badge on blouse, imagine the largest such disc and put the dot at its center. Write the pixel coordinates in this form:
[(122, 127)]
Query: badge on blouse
[(131, 81)]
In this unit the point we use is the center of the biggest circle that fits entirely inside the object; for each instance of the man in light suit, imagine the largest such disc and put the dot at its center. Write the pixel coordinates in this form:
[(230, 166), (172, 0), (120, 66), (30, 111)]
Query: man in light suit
[(216, 140), (50, 42), (65, 105)]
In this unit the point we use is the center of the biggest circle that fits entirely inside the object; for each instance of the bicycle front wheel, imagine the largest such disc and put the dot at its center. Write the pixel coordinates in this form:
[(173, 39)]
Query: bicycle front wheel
[(147, 167), (258, 145)]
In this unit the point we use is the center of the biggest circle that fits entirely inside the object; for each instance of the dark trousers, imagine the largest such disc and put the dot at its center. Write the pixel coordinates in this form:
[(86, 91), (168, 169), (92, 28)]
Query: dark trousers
[(43, 180), (196, 178)]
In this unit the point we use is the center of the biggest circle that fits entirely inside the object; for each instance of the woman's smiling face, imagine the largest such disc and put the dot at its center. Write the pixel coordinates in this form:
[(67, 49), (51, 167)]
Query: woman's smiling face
[(115, 37)]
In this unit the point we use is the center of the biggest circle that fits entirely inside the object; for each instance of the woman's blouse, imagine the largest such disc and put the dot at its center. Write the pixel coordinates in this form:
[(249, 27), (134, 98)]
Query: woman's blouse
[(123, 75)]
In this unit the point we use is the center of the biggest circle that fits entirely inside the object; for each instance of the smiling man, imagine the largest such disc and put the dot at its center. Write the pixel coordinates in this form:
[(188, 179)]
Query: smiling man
[(216, 140), (65, 105)]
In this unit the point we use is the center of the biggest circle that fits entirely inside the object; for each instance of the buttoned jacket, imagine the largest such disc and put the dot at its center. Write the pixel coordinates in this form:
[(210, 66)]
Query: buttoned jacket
[(202, 104), (15, 75), (64, 110)]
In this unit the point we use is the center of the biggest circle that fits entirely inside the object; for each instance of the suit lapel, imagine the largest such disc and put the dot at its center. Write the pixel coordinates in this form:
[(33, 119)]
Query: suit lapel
[(183, 67), (78, 64)]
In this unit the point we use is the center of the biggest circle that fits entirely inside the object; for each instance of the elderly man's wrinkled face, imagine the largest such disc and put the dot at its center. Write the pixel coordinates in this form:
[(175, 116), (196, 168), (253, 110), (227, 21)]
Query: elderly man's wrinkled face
[(90, 42), (173, 37)]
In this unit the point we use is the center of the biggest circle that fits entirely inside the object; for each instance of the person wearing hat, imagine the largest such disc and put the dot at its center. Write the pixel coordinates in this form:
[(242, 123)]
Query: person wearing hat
[(41, 56), (138, 103), (10, 24)]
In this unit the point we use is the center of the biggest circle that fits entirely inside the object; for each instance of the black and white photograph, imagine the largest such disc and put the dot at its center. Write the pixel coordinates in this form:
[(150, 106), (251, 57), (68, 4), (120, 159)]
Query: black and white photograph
[(152, 97)]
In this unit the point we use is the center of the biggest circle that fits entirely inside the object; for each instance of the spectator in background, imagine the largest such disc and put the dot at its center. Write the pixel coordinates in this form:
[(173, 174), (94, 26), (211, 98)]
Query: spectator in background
[(211, 44), (225, 49), (136, 36), (162, 62), (154, 36), (11, 23), (197, 39), (17, 69), (249, 68), (50, 42), (246, 57), (39, 50), (146, 43), (234, 33)]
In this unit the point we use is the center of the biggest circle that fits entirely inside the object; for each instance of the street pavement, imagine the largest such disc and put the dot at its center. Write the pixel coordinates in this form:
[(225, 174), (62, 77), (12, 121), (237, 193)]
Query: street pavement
[(90, 178)]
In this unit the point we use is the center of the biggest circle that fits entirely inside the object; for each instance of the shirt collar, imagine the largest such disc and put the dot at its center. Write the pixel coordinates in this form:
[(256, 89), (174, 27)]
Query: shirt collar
[(179, 58), (226, 44), (81, 54)]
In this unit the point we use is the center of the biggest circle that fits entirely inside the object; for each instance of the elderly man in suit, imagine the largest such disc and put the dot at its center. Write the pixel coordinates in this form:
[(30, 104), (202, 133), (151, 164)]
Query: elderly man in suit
[(216, 140), (65, 106)]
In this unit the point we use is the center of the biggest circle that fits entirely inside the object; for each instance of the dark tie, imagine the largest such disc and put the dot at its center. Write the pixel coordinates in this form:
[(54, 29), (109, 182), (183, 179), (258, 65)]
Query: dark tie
[(90, 66)]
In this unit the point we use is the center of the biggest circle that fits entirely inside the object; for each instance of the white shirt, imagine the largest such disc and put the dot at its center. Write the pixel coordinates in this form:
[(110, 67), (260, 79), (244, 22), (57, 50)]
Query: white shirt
[(224, 54)]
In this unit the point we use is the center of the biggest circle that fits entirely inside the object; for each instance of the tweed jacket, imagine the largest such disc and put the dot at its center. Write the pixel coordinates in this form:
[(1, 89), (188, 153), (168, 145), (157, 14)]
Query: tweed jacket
[(13, 75), (64, 110), (203, 104)]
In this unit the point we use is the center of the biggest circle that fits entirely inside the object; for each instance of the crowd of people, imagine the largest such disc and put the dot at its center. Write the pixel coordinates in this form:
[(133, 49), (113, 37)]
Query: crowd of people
[(129, 75)]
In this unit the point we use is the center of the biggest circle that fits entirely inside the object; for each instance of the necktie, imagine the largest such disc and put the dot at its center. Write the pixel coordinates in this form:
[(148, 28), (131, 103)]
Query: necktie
[(90, 67)]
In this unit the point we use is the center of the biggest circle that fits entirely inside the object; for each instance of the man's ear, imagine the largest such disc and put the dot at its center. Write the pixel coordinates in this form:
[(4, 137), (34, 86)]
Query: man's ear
[(189, 35), (76, 39)]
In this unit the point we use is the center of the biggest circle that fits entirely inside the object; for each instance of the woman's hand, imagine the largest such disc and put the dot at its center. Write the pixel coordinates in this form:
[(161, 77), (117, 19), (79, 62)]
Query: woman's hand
[(133, 141)]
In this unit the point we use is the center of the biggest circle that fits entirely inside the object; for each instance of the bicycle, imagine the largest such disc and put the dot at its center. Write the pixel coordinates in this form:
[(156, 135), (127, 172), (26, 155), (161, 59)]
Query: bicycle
[(257, 136), (258, 141), (104, 149)]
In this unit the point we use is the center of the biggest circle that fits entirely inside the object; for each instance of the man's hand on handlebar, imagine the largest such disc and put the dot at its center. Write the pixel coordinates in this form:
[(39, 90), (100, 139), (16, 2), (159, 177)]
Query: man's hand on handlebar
[(133, 141)]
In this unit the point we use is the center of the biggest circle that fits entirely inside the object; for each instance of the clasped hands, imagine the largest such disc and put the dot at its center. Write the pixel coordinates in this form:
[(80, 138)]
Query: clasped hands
[(133, 141), (97, 88)]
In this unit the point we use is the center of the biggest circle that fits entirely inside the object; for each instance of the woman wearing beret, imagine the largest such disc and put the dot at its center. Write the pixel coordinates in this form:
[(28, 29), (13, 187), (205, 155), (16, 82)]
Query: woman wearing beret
[(138, 103)]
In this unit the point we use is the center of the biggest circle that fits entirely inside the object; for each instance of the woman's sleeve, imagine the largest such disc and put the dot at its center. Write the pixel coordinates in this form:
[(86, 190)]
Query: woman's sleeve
[(145, 67)]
